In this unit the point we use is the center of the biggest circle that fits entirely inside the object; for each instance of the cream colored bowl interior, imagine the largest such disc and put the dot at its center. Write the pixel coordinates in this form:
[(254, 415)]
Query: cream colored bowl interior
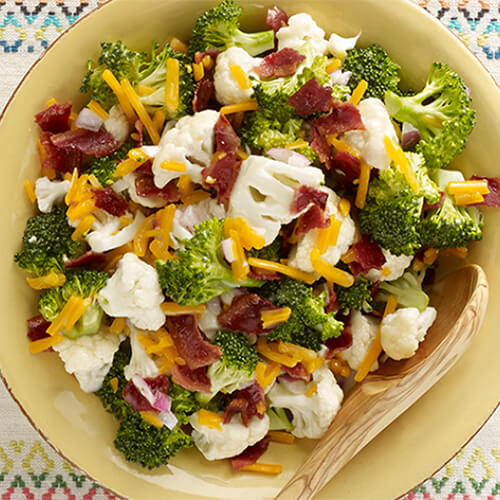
[(414, 446)]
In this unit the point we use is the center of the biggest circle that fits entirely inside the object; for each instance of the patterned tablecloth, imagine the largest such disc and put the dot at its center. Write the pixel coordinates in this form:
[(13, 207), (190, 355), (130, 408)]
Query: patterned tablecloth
[(29, 468)]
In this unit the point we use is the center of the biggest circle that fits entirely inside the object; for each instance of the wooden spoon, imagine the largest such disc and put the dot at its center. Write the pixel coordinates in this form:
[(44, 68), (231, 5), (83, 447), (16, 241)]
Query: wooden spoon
[(460, 299)]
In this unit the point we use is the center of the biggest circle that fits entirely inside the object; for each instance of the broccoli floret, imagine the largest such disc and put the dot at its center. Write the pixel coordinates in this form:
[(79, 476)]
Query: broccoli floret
[(441, 112), (200, 273), (218, 28), (237, 364), (427, 187), (279, 419), (373, 65), (391, 214), (183, 401), (47, 243), (104, 167), (407, 289), (270, 252), (123, 63), (113, 401), (148, 445), (357, 296), (85, 284), (341, 92), (309, 324)]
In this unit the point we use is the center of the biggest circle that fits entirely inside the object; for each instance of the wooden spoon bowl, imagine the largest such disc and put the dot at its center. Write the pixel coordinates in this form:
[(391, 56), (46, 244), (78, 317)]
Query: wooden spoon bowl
[(461, 299)]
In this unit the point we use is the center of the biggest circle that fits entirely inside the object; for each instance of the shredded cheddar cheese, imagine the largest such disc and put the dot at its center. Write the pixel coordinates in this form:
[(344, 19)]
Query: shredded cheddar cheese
[(117, 326), (96, 108), (269, 265), (51, 102), (115, 86), (297, 144), (263, 468), (266, 374), (239, 267), (386, 271), (275, 316), (344, 207), (468, 187), (195, 197), (237, 108), (69, 315), (126, 167), (79, 210), (143, 235), (42, 344), (178, 45), (364, 180), (328, 237), (271, 351), (468, 198), (329, 272), (333, 65), (174, 309), (349, 256), (198, 71), (84, 225), (430, 256), (28, 187), (281, 437), (397, 155), (114, 384), (342, 147), (240, 76), (50, 280), (159, 119), (312, 391), (174, 166), (358, 92), (151, 419), (172, 85), (208, 62), (210, 419), (185, 185), (248, 236)]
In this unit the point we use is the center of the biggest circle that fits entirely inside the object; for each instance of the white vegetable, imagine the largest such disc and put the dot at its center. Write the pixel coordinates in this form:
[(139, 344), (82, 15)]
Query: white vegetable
[(117, 124), (339, 77), (402, 331), (106, 235), (311, 415), (289, 156), (370, 142), (208, 322), (49, 193), (300, 255), (338, 45), (230, 440), (364, 329), (396, 264), (134, 292), (88, 120), (89, 358), (227, 89), (227, 246), (302, 28), (145, 201), (264, 191), (190, 142), (446, 176), (140, 362)]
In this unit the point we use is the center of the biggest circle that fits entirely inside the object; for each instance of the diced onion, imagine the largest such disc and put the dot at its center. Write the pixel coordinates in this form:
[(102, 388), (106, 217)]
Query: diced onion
[(339, 77), (88, 120), (289, 156), (150, 151), (228, 250)]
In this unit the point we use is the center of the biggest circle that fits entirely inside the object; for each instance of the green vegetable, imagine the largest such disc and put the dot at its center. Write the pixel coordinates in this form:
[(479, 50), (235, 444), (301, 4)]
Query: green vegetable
[(407, 289), (104, 167), (441, 112), (357, 296), (201, 272), (427, 187), (183, 401), (47, 243), (218, 28), (279, 420), (84, 283), (373, 65), (309, 325), (270, 252)]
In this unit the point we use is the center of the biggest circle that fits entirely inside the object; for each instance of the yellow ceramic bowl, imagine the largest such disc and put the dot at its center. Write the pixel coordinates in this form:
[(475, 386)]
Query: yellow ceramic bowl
[(413, 447)]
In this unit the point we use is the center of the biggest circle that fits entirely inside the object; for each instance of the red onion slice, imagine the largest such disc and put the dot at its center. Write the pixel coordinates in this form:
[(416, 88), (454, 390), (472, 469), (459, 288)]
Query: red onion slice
[(288, 156), (88, 120)]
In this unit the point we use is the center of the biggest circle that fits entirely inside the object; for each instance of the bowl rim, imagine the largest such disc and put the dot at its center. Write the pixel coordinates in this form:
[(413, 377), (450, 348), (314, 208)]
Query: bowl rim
[(417, 8)]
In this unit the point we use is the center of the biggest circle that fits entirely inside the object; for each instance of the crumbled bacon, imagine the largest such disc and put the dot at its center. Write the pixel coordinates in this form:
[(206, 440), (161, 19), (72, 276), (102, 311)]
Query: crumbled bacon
[(314, 218), (322, 148), (332, 305), (226, 139), (244, 314), (54, 119), (492, 199), (312, 98), (192, 380), (297, 372), (368, 256), (146, 187), (110, 201), (306, 195), (434, 206), (190, 345), (61, 160), (98, 144), (224, 172), (348, 164), (204, 93), (37, 328), (280, 64), (139, 128), (199, 56), (90, 259), (344, 117), (250, 402), (262, 275), (342, 342), (251, 454), (276, 18), (136, 400)]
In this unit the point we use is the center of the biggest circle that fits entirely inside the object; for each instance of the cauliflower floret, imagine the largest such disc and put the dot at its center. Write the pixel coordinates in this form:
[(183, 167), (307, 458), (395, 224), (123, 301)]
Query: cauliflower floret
[(231, 439), (134, 292), (188, 216), (311, 415), (117, 124), (364, 329), (145, 201), (370, 142), (300, 255), (264, 191), (191, 142), (140, 362), (106, 233), (208, 323), (396, 264), (302, 28), (89, 358), (50, 193), (402, 331), (338, 45), (227, 89)]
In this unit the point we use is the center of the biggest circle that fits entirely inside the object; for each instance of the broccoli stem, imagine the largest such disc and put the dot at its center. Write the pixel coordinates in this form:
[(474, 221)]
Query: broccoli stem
[(254, 43)]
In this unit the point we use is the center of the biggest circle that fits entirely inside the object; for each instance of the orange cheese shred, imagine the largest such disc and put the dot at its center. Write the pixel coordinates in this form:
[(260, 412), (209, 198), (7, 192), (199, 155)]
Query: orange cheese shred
[(151, 419), (283, 269), (50, 280), (263, 468), (30, 192), (281, 437), (364, 180), (240, 76), (96, 108), (358, 92), (329, 272), (210, 419), (399, 158), (172, 85), (115, 86), (266, 374), (42, 344), (275, 316), (237, 108), (174, 309)]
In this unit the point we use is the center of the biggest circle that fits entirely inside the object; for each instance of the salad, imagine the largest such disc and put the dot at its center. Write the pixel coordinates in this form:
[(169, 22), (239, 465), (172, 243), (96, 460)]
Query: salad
[(237, 228)]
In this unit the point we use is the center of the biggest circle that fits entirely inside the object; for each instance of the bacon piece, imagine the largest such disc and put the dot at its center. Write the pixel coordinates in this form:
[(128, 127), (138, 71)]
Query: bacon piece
[(192, 380), (225, 137), (189, 343), (280, 64), (213, 53), (305, 195), (97, 144), (297, 372), (312, 98), (251, 454), (204, 93), (110, 201), (90, 259), (368, 256), (136, 400), (344, 117), (349, 165), (250, 402), (342, 342), (225, 172), (262, 275), (244, 313), (410, 140), (139, 128), (322, 148), (146, 187), (314, 218), (434, 206), (276, 18), (37, 328), (333, 305), (492, 199), (54, 119), (61, 160)]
